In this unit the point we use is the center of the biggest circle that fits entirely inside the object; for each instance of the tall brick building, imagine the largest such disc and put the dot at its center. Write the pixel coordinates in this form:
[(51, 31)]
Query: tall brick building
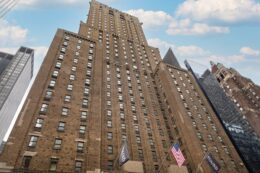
[(103, 85)]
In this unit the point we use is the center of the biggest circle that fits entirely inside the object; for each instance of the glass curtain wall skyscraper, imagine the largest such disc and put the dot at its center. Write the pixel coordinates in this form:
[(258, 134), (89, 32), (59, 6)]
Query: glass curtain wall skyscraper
[(15, 74)]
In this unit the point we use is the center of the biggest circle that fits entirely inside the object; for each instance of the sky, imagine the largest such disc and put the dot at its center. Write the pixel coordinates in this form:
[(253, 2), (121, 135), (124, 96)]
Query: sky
[(225, 31)]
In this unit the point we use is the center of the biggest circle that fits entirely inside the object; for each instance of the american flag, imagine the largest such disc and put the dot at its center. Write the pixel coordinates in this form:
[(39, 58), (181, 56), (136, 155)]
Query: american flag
[(176, 151)]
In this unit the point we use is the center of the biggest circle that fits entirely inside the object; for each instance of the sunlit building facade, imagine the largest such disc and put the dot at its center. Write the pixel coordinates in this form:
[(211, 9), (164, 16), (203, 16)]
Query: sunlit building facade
[(104, 85)]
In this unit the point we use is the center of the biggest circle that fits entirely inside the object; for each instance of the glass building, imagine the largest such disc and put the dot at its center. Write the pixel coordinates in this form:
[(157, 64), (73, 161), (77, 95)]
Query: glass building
[(16, 72)]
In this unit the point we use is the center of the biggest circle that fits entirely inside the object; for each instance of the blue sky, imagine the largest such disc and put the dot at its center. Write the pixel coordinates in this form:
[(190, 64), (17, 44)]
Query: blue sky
[(225, 31)]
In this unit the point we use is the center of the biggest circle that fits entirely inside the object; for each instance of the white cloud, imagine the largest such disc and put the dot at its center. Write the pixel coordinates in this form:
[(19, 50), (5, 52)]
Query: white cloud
[(249, 51), (36, 2), (198, 17), (226, 59), (194, 53), (48, 3), (222, 10), (39, 54), (187, 51), (162, 45), (191, 51), (11, 34), (186, 27), (151, 18), (176, 26)]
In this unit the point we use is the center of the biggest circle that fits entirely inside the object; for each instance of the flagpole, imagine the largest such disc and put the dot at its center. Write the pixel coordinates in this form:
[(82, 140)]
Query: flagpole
[(204, 157), (199, 165), (123, 144), (162, 162), (159, 169), (117, 157)]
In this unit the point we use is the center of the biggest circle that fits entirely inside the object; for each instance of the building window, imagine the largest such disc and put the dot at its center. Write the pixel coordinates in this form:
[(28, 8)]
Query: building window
[(74, 68), (83, 116), (156, 167), (52, 84), (44, 108), (89, 65), (88, 73), (210, 137), (154, 156), (53, 164), (122, 115), (204, 147), (65, 111), (57, 144), (216, 149), (55, 74), (108, 103), (110, 164), (48, 95), (140, 153), (85, 103), (90, 57), (109, 113), (121, 106), (138, 139), (67, 98), (123, 126), (82, 129), (109, 135), (67, 37), (72, 77), (199, 135), (110, 149), (61, 57), (78, 166), (80, 147), (39, 123), (61, 126), (220, 139), (109, 123), (226, 150), (33, 141), (86, 92), (26, 162), (87, 82), (58, 65), (70, 87)]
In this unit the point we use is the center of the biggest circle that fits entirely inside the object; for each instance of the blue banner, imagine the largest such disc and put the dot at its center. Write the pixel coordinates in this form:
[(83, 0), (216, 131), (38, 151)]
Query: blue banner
[(213, 163)]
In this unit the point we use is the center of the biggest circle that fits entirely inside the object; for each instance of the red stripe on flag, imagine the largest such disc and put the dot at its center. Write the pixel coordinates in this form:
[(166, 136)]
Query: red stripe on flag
[(178, 156)]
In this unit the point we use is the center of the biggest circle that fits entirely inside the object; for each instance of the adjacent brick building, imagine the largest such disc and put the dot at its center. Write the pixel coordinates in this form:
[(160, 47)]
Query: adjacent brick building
[(103, 85)]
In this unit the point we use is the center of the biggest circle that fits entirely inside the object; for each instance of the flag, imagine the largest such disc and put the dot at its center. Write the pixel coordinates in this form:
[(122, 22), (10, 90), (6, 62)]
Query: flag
[(176, 151), (124, 154), (212, 162)]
